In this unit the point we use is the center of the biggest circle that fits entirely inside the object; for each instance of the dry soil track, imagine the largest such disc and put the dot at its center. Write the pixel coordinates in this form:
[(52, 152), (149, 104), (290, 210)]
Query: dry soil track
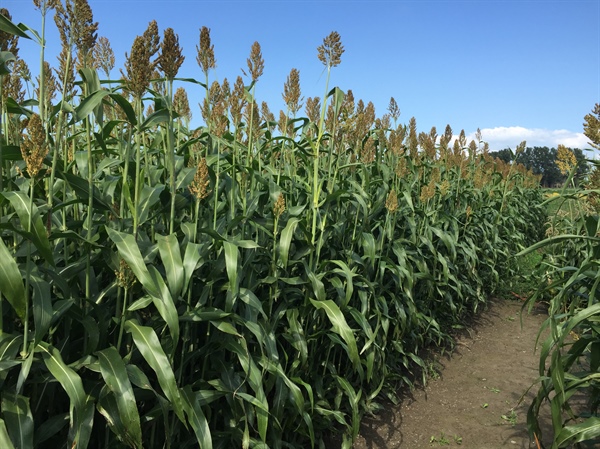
[(474, 403)]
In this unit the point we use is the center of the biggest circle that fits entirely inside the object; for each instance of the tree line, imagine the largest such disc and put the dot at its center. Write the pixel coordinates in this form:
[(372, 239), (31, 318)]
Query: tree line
[(542, 161)]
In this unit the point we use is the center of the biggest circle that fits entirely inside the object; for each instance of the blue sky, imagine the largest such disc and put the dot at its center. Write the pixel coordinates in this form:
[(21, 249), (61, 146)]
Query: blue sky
[(518, 70)]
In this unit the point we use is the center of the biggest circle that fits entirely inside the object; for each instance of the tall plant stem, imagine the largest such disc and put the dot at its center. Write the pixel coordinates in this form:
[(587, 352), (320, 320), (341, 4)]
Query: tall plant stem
[(316, 188), (171, 156), (122, 319), (28, 272), (90, 210), (3, 122), (216, 190), (42, 98), (138, 151)]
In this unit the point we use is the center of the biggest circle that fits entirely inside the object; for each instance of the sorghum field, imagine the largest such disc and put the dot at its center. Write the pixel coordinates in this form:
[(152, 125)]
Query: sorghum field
[(254, 282)]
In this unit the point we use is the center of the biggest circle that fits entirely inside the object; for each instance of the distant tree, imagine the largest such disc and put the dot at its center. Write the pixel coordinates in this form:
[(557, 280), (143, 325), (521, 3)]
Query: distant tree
[(505, 155), (542, 161), (583, 167)]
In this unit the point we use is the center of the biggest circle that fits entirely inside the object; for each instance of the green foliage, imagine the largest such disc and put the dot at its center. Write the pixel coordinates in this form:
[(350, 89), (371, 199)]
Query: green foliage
[(570, 353), (229, 287)]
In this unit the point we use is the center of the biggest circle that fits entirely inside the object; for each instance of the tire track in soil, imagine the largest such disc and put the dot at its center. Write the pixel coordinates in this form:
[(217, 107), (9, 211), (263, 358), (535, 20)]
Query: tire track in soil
[(479, 383)]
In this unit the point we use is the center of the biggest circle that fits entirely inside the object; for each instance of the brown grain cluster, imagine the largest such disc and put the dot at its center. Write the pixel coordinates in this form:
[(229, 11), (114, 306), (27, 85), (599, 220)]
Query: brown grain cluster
[(206, 52), (104, 57), (391, 202), (171, 57), (291, 92), (279, 207), (565, 159), (256, 63), (181, 104), (199, 186), (330, 53), (139, 67), (34, 147)]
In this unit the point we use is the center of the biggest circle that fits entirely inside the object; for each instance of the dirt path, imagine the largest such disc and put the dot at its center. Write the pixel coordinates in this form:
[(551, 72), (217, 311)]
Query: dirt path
[(473, 403)]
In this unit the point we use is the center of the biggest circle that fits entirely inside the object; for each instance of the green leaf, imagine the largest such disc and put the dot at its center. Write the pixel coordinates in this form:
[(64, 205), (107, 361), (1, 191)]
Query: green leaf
[(196, 418), (49, 428), (191, 259), (255, 380), (18, 417), (160, 116), (107, 406), (42, 307), (5, 58), (231, 265), (170, 254), (73, 386), (340, 327), (114, 373), (87, 106), (150, 279), (37, 232), (81, 187), (8, 27), (126, 107), (285, 240), (148, 198), (149, 346), (11, 283), (5, 441), (585, 431)]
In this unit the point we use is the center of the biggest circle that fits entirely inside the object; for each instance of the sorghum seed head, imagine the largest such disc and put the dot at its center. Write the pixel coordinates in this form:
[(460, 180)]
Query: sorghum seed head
[(591, 127), (84, 28), (171, 57), (199, 186), (152, 39), (256, 63), (181, 104), (393, 109), (427, 192), (313, 108), (206, 51), (138, 67), (103, 55), (413, 142), (565, 159), (237, 101), (330, 53), (34, 147), (279, 207), (291, 92), (391, 202)]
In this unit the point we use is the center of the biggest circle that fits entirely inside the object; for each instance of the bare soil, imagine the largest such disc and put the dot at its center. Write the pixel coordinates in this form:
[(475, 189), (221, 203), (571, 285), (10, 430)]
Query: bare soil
[(473, 400)]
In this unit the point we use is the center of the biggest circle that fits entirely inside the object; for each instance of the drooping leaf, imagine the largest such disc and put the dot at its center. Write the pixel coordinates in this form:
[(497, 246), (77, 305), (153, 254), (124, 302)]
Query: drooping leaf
[(20, 202), (170, 255), (149, 277), (11, 283), (5, 440), (149, 346), (114, 373), (19, 419), (73, 386), (196, 418), (340, 327)]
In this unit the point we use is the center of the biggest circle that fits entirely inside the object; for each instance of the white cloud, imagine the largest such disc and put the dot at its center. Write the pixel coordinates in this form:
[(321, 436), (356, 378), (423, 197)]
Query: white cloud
[(510, 136)]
